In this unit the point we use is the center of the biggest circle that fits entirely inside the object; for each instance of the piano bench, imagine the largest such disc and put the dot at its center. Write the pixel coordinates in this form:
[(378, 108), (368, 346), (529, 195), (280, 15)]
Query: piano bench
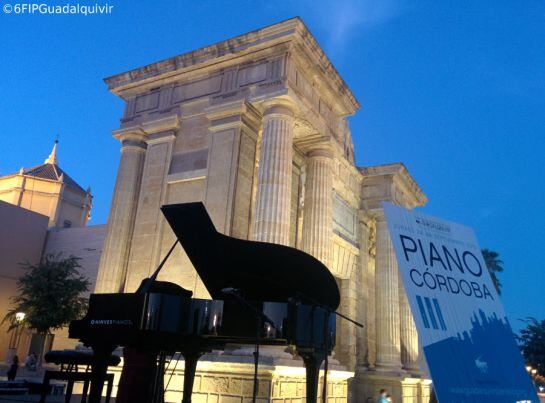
[(72, 377)]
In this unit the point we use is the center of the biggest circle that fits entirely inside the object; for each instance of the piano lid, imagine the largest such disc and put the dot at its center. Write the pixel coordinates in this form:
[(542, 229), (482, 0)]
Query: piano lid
[(262, 271)]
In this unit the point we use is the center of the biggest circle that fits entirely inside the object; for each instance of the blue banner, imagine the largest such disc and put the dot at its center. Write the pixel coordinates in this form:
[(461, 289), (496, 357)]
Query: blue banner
[(467, 340)]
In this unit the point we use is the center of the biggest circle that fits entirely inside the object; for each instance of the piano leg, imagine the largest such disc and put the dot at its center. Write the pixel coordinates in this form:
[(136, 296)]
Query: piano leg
[(191, 358), (313, 361), (101, 354)]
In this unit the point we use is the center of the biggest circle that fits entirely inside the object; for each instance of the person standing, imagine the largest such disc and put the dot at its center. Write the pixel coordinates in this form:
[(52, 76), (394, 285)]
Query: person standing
[(382, 398), (30, 362), (12, 372)]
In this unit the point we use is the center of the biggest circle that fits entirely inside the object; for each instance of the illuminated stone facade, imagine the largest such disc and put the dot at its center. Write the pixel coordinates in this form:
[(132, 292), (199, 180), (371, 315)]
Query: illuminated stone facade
[(255, 127)]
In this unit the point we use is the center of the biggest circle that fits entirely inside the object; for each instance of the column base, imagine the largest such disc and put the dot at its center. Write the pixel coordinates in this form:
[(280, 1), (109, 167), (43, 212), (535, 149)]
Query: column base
[(414, 372), (390, 370), (367, 384)]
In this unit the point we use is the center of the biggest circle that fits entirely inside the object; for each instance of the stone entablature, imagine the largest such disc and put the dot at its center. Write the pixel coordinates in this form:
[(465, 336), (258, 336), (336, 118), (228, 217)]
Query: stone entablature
[(393, 183), (290, 32), (283, 60)]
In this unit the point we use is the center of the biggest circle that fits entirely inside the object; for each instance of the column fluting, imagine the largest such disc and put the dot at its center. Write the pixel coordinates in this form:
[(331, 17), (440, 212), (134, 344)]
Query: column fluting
[(272, 214), (318, 206), (409, 335), (114, 259), (387, 301)]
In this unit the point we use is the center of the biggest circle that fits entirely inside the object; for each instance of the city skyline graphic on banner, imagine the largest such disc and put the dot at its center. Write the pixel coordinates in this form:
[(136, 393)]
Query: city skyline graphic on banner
[(466, 337)]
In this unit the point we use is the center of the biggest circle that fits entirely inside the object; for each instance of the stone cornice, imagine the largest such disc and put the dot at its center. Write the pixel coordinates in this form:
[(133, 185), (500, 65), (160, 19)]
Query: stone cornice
[(314, 61), (393, 183), (291, 31), (224, 50)]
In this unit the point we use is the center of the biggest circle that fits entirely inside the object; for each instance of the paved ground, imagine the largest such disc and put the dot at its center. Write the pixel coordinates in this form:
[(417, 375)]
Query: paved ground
[(36, 398), (37, 376), (24, 374), (31, 376)]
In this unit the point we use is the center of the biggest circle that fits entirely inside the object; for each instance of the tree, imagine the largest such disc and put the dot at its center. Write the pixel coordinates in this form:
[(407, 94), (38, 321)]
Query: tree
[(49, 294), (494, 266), (532, 344)]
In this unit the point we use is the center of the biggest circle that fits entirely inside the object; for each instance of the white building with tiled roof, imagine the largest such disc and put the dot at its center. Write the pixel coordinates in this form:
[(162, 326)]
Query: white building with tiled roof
[(56, 225), (48, 190)]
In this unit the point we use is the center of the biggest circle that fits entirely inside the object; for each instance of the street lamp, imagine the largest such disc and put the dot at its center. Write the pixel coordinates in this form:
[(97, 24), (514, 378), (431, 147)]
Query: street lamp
[(19, 317)]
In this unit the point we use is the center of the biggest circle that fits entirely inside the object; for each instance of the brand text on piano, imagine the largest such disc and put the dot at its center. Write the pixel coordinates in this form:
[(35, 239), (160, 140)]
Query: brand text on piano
[(125, 322)]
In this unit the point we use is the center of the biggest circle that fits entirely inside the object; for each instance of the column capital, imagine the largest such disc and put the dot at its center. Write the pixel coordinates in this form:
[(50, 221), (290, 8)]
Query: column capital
[(131, 140), (133, 145), (279, 106), (364, 217), (315, 145), (130, 134), (377, 214), (322, 150)]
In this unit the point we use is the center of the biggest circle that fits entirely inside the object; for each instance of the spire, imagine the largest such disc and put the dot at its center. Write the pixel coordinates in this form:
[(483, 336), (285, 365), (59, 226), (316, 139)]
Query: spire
[(52, 159)]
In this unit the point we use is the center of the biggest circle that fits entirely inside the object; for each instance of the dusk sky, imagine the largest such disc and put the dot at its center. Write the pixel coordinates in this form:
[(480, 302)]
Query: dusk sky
[(453, 89)]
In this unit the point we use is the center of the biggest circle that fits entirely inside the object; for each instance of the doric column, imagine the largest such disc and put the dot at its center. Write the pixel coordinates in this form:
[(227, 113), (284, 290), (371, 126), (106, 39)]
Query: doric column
[(366, 303), (387, 301), (272, 215), (113, 262), (318, 205), (346, 345), (146, 241), (409, 335)]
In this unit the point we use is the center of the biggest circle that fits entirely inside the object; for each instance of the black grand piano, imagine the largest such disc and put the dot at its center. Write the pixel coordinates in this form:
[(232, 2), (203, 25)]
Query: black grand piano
[(263, 294)]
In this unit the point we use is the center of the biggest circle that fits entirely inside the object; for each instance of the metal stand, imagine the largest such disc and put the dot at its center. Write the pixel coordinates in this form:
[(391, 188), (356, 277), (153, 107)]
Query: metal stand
[(260, 320)]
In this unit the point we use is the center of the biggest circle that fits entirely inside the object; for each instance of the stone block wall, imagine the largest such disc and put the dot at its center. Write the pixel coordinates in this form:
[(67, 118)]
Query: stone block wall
[(223, 379), (83, 242)]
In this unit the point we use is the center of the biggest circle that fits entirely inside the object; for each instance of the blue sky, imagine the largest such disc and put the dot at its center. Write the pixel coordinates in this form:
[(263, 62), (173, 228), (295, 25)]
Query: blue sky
[(454, 89)]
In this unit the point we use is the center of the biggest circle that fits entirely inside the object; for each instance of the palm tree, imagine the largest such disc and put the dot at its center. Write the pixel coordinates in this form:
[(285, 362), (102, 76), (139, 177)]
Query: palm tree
[(494, 265)]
